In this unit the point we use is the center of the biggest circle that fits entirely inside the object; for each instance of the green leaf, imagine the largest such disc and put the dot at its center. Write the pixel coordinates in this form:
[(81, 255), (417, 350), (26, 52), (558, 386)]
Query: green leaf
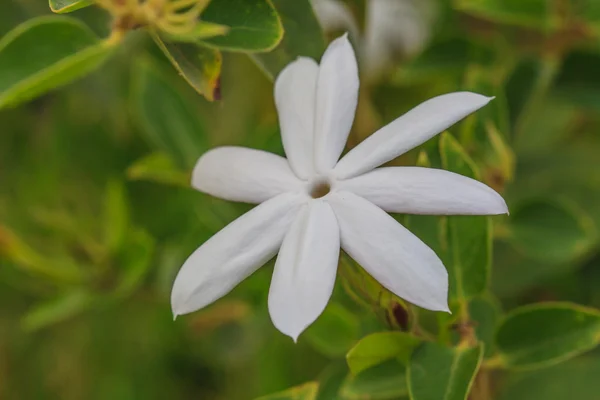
[(45, 53), (164, 115), (56, 310), (202, 30), (576, 379), (134, 260), (334, 332), (469, 239), (303, 37), (67, 6), (485, 313), (253, 25), (307, 391), (158, 167), (544, 334), (116, 215), (529, 14), (379, 347), (551, 230), (199, 65), (384, 381), (437, 372)]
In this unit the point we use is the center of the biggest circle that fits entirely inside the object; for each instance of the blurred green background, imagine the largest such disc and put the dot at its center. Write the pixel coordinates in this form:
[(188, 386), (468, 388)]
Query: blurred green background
[(96, 217)]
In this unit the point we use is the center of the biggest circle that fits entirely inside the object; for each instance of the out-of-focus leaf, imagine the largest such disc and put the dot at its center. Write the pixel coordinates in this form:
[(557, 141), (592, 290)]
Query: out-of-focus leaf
[(551, 231), (67, 6), (158, 167), (529, 14), (469, 242), (164, 115), (253, 25), (543, 334), (134, 261), (331, 380), (202, 30), (116, 215), (485, 314), (307, 391), (303, 37), (578, 80), (379, 347), (45, 53), (381, 382), (438, 372), (199, 65), (56, 310), (576, 379), (334, 332)]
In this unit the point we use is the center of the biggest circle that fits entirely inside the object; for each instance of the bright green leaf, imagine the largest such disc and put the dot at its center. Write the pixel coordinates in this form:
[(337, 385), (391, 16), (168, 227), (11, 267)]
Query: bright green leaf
[(56, 310), (166, 118), (437, 372), (202, 30), (576, 379), (544, 334), (199, 65), (158, 167), (469, 238), (379, 347), (45, 53), (303, 37), (253, 25), (334, 332), (381, 382), (67, 6), (551, 231), (307, 391)]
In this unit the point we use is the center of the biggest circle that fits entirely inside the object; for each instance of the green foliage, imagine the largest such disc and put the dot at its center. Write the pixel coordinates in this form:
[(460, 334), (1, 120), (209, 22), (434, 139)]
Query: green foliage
[(384, 381), (437, 372), (67, 6), (334, 332), (379, 347), (544, 334), (254, 25), (164, 115), (45, 53), (308, 391)]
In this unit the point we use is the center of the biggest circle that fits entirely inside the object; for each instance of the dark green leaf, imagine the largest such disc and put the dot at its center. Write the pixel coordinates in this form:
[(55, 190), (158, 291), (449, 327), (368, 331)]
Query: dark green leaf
[(303, 37), (45, 53), (307, 391), (381, 382), (334, 332), (551, 231), (134, 261), (469, 246), (164, 115), (576, 379), (199, 65), (530, 13), (67, 6), (379, 347), (544, 334), (485, 314), (253, 25), (436, 372), (116, 215)]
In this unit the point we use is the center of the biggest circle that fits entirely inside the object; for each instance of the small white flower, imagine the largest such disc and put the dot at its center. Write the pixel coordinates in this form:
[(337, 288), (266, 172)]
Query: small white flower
[(311, 203)]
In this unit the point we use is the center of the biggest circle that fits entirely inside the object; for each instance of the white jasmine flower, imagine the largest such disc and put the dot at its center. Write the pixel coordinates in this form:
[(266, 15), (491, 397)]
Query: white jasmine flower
[(311, 203)]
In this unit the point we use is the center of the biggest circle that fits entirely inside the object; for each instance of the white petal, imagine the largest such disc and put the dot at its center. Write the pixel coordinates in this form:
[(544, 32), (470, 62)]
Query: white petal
[(410, 130), (295, 91), (415, 190), (305, 269), (241, 174), (233, 254), (337, 95), (399, 260)]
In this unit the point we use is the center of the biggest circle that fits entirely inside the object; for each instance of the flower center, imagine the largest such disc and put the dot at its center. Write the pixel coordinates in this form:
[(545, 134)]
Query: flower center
[(319, 189)]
